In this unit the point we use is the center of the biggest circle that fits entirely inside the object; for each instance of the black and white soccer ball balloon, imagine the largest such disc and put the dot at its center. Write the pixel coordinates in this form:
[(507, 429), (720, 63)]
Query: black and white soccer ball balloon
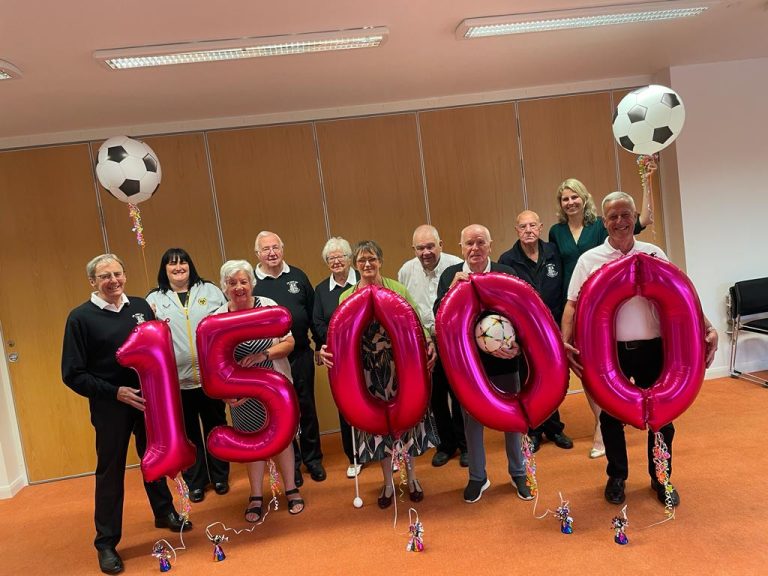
[(128, 169), (648, 119)]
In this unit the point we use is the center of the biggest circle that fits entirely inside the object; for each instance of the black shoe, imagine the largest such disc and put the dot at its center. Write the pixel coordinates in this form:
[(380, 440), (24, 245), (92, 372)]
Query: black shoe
[(535, 442), (661, 494), (521, 485), (221, 488), (474, 490), (298, 478), (614, 490), (441, 458), (316, 472), (197, 495), (110, 561), (385, 501), (174, 522), (562, 441), (464, 460)]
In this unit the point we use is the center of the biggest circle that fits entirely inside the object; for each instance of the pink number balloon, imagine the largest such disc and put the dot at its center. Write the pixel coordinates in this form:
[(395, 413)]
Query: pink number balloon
[(222, 377), (359, 407), (682, 332), (149, 351), (537, 334)]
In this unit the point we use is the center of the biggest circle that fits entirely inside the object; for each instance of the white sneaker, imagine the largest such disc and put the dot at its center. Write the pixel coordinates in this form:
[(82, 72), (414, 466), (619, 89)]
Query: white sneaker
[(597, 453), (354, 470)]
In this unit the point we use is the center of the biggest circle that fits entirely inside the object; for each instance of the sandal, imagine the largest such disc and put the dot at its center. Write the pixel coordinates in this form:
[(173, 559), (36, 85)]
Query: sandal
[(254, 509), (294, 502), (415, 492), (385, 501)]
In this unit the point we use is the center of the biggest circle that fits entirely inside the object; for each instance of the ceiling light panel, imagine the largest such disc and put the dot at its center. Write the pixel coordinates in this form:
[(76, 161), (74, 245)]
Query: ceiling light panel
[(236, 49), (8, 71), (579, 18)]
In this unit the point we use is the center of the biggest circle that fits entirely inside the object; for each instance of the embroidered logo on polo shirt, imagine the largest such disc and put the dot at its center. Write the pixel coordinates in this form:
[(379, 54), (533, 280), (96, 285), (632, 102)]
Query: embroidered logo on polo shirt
[(202, 301), (551, 271), (293, 287), (139, 317)]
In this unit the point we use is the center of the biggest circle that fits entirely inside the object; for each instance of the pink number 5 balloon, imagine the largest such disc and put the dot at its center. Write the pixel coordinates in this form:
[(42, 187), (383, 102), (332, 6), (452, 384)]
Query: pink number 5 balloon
[(537, 333), (149, 351), (359, 407), (222, 377), (682, 333)]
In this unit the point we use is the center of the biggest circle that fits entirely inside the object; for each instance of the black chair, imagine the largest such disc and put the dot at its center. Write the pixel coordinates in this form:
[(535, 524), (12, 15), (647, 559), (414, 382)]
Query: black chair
[(748, 298)]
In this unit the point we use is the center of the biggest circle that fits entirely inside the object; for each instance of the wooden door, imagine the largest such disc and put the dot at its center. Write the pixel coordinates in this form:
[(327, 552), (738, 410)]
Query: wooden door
[(49, 229)]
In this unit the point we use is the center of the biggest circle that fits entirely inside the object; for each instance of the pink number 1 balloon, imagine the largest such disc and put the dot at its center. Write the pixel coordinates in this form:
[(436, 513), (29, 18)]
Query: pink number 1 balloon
[(149, 351)]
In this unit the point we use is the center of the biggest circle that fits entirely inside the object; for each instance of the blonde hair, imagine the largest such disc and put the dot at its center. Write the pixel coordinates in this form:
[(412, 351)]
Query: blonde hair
[(590, 211)]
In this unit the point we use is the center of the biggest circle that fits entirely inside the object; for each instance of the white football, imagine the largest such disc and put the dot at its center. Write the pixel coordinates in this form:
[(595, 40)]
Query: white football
[(494, 332), (648, 119), (128, 169)]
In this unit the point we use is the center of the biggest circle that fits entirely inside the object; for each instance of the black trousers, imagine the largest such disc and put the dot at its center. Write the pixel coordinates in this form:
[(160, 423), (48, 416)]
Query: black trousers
[(199, 408), (303, 373), (448, 415), (552, 426), (114, 423), (641, 360)]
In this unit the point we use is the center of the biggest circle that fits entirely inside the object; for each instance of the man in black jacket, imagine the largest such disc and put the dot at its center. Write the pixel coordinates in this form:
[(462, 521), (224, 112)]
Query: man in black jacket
[(538, 263), (93, 333)]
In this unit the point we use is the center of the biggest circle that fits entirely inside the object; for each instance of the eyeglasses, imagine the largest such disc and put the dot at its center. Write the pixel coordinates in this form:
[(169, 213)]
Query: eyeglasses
[(109, 275), (364, 261), (336, 258), (268, 249)]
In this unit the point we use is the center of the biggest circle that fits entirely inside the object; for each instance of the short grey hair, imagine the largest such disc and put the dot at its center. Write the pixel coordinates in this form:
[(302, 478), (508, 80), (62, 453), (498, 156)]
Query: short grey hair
[(90, 268), (481, 227), (232, 267), (427, 228), (336, 244), (616, 196), (264, 234)]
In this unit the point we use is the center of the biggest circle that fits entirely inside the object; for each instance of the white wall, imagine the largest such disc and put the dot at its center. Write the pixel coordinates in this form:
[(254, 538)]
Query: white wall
[(722, 163), (13, 476)]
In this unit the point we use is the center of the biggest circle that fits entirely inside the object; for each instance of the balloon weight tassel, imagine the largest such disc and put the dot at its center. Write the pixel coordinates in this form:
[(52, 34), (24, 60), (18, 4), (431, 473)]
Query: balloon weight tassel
[(661, 458), (218, 551), (530, 465), (416, 531), (563, 514), (163, 555), (619, 525)]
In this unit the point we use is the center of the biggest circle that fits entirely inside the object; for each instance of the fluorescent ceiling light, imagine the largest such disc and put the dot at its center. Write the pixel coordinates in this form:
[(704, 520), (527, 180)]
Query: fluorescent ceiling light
[(8, 71), (235, 49), (579, 18)]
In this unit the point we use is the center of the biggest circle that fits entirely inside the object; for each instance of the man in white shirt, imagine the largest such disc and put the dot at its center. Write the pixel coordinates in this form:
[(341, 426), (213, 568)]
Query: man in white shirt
[(639, 343), (420, 276)]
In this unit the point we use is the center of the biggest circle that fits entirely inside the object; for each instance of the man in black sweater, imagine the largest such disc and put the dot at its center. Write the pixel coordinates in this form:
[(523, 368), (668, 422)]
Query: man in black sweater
[(290, 287), (538, 263), (93, 333)]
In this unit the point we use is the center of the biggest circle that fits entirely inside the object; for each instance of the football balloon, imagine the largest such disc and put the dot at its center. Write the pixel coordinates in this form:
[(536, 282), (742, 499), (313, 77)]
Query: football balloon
[(494, 332), (648, 119), (128, 169)]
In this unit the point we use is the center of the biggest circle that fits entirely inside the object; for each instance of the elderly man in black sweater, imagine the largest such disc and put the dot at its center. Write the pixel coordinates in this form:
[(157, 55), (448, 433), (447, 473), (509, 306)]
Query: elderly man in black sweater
[(93, 333), (290, 287), (538, 263)]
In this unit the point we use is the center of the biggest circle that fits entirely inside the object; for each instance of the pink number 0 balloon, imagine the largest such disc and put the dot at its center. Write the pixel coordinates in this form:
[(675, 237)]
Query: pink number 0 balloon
[(682, 332), (149, 351), (359, 407), (536, 332), (222, 377)]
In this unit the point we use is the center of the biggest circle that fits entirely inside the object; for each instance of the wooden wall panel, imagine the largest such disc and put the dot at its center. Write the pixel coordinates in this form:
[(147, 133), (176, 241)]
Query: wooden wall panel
[(179, 215), (566, 137), (49, 230), (472, 167), (630, 182), (267, 179), (373, 182)]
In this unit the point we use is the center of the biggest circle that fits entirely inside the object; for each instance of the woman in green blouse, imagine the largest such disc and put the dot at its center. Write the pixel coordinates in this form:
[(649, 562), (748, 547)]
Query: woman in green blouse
[(580, 229)]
